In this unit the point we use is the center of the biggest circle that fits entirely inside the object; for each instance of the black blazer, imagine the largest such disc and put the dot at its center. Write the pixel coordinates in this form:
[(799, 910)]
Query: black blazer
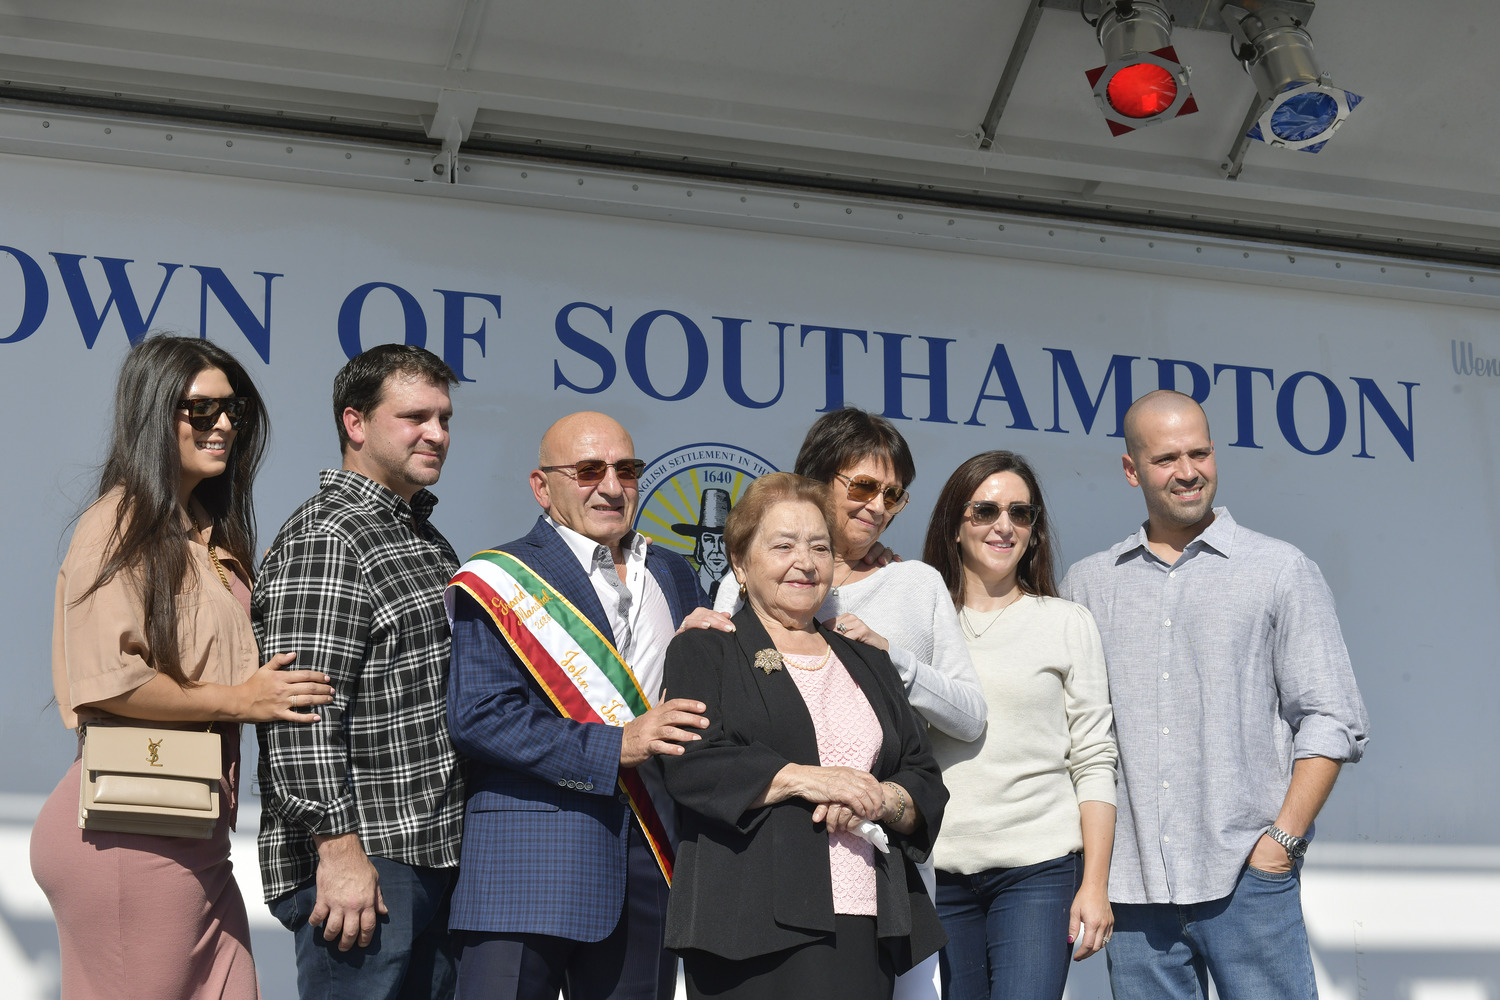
[(754, 881)]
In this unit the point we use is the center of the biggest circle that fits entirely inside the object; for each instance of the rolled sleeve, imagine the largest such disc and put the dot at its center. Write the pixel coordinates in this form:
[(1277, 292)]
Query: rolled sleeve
[(103, 644), (1314, 678)]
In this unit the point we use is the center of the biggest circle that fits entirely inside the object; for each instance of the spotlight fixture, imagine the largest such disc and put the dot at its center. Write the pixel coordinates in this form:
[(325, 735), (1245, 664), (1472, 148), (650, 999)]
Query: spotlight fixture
[(1142, 82), (1301, 108)]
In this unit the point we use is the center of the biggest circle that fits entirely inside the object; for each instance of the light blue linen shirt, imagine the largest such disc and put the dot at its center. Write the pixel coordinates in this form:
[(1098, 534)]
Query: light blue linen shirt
[(1224, 667)]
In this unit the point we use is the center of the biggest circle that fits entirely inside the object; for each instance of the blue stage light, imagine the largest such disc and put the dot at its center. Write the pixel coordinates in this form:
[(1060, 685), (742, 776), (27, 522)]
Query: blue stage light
[(1302, 108)]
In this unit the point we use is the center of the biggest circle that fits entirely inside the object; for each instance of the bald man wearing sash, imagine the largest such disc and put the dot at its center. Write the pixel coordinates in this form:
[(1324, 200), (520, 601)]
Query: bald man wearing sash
[(555, 699)]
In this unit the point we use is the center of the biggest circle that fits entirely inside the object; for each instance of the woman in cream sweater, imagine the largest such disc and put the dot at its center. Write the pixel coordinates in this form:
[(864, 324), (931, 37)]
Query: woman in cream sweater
[(1023, 857)]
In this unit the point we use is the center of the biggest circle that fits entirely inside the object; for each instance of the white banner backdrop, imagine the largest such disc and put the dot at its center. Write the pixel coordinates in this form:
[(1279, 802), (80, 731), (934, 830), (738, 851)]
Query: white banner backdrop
[(1361, 429)]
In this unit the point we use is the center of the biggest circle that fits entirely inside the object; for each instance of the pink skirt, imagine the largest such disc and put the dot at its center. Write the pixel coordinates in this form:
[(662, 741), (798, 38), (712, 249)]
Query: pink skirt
[(141, 917)]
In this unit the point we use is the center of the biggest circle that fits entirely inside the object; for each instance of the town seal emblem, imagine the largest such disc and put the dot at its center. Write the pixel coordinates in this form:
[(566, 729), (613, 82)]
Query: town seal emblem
[(685, 499)]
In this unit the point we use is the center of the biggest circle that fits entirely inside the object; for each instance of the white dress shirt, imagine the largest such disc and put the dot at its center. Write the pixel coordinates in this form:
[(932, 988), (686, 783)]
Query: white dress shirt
[(638, 612)]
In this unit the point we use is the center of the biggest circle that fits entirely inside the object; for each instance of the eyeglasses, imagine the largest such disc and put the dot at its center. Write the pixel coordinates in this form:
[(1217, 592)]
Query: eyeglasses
[(1022, 515), (593, 470), (203, 414), (862, 489)]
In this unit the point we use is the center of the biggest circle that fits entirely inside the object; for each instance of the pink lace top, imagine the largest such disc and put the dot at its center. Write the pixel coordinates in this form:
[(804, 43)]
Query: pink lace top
[(849, 735)]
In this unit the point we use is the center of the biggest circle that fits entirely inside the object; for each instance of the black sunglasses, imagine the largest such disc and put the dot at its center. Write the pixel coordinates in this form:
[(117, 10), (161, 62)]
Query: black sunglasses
[(203, 414), (1022, 515), (862, 489), (593, 470)]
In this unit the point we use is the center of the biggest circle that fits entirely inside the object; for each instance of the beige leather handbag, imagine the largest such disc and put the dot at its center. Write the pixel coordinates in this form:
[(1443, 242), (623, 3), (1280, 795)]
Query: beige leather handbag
[(140, 779)]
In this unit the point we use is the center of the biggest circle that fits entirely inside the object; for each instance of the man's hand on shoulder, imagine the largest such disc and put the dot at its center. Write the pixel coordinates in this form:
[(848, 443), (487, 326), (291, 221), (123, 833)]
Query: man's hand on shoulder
[(662, 731), (706, 618), (349, 900)]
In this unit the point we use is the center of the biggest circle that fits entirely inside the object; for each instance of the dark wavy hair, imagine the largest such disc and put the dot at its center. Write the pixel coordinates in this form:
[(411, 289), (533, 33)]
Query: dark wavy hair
[(1037, 572), (360, 384), (839, 439), (145, 465)]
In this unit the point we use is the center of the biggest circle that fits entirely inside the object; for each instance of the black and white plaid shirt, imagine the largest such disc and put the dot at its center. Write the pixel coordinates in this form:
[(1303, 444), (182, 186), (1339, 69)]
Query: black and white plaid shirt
[(354, 586)]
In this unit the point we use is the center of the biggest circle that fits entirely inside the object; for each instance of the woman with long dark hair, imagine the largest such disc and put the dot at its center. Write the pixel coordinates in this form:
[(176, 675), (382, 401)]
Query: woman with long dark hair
[(1023, 857), (151, 624)]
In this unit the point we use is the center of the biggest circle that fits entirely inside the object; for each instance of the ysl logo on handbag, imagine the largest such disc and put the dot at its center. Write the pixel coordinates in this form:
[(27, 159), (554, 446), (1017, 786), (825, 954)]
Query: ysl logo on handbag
[(153, 749)]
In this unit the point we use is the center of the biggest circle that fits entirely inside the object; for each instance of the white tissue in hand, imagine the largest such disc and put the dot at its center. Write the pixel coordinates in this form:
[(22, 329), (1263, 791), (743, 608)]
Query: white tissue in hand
[(875, 834)]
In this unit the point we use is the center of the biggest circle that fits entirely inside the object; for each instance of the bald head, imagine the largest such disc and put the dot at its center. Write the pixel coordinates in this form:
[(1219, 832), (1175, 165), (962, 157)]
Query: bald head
[(1167, 405), (603, 511), (1170, 456), (562, 437)]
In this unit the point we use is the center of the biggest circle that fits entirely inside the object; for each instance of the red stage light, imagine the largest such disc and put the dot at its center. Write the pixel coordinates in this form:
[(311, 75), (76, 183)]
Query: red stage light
[(1142, 90)]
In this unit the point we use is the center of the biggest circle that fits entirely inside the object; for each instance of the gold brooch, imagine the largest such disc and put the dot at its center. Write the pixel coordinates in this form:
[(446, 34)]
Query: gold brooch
[(768, 660)]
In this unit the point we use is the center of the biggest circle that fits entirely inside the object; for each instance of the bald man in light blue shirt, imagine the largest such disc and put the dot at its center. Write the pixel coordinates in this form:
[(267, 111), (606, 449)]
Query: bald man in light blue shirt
[(1235, 706)]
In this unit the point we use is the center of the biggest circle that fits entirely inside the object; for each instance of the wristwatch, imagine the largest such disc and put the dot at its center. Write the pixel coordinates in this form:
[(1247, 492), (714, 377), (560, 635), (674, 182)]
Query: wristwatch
[(1296, 847)]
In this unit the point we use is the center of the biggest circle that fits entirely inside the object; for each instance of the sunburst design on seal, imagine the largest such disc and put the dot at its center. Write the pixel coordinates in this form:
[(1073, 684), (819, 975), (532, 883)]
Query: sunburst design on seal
[(768, 660)]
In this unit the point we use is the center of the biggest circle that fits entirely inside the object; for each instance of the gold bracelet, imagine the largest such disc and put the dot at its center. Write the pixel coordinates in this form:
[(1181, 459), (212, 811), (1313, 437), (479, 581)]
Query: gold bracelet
[(900, 801)]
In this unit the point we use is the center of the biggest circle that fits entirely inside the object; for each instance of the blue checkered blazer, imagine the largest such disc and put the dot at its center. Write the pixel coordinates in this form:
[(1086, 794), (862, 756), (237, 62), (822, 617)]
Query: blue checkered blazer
[(544, 846)]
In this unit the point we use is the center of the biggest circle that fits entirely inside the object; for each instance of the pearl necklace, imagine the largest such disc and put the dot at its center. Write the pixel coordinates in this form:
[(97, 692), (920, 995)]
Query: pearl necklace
[(821, 663)]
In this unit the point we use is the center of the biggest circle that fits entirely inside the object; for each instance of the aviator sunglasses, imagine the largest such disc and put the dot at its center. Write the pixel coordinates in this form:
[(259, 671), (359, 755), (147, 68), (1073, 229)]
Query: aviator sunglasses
[(203, 414), (1022, 515), (862, 489), (593, 470)]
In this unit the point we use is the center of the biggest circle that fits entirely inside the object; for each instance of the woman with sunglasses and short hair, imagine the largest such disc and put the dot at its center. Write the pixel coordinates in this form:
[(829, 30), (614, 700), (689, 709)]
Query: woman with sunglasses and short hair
[(152, 623), (1023, 856), (903, 607)]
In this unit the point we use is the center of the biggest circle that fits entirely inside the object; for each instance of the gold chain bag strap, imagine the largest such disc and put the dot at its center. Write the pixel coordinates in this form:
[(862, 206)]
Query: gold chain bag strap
[(142, 779)]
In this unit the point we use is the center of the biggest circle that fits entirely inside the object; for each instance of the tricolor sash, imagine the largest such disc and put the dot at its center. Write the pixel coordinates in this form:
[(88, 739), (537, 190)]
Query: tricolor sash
[(577, 668)]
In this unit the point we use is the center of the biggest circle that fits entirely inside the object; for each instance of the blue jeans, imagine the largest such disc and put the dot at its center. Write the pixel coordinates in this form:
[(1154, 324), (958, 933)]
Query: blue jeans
[(411, 956), (1252, 942), (1008, 930)]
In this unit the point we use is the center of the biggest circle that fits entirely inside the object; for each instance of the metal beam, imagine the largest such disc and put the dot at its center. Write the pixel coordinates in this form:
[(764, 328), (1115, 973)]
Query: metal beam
[(989, 227), (461, 51), (1235, 162), (1028, 175), (1201, 15), (1008, 76), (451, 124)]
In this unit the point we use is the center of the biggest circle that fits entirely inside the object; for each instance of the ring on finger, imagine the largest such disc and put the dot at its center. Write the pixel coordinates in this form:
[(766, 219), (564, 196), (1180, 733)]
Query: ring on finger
[(842, 628)]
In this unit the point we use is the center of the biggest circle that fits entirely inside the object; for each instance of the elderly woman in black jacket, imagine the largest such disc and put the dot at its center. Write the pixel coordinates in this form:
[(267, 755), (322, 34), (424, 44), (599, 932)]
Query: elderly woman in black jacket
[(812, 762)]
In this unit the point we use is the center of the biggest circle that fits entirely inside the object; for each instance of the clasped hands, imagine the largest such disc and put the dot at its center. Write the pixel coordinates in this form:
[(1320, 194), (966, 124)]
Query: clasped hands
[(845, 797)]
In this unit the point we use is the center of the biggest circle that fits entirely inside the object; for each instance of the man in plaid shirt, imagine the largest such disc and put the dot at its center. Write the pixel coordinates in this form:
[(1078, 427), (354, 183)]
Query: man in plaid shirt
[(362, 811)]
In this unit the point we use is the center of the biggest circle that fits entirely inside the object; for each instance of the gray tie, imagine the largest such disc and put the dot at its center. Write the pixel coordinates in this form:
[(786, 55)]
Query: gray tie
[(606, 566)]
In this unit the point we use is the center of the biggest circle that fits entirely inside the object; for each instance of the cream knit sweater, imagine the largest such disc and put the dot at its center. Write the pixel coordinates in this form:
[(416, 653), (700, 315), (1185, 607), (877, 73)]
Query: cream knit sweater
[(1048, 746)]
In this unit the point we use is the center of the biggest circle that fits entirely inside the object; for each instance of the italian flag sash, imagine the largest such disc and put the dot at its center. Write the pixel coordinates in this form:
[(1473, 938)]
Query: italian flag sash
[(579, 669)]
